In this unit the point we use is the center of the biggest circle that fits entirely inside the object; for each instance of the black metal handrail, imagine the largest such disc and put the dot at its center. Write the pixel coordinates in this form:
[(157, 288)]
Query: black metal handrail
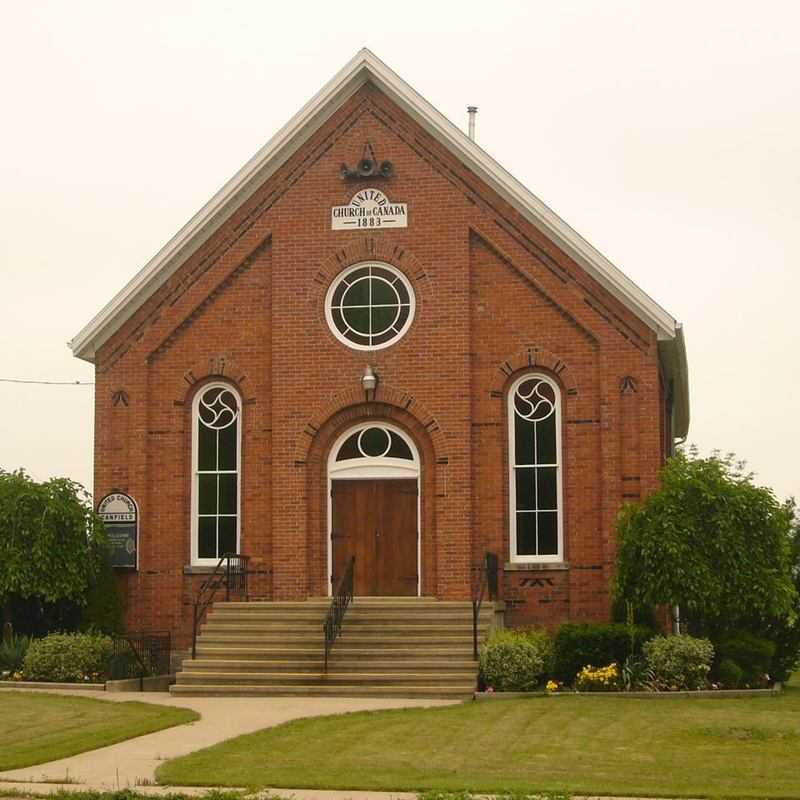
[(485, 576), (342, 597), (233, 576)]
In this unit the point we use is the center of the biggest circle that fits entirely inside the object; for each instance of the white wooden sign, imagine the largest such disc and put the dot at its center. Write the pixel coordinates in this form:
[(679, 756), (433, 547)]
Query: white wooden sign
[(369, 208)]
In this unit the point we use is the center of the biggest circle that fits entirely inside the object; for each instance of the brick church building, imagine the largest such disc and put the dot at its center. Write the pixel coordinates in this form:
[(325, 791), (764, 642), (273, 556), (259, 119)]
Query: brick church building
[(374, 342)]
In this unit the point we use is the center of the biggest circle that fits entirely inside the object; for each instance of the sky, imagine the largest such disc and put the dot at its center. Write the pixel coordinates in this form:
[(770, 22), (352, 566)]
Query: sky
[(667, 134)]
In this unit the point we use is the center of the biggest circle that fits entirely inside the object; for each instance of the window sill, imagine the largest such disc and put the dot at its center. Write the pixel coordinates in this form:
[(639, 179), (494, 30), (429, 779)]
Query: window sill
[(536, 566), (198, 569)]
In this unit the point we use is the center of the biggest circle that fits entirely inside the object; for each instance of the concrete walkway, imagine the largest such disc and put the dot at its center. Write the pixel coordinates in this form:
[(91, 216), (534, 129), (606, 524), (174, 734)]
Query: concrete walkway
[(132, 764)]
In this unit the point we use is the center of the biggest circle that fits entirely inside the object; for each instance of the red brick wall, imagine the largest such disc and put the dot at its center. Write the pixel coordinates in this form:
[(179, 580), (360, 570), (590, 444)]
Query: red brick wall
[(494, 298)]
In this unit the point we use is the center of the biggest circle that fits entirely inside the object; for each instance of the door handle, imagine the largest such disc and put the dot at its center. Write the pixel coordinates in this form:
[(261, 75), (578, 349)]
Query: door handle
[(377, 534)]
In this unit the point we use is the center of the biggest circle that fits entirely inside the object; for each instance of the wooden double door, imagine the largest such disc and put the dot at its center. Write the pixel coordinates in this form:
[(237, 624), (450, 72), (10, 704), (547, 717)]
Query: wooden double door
[(376, 521)]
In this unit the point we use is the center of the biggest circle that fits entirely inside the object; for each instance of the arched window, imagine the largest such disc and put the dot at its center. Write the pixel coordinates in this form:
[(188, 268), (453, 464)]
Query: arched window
[(216, 437), (534, 419)]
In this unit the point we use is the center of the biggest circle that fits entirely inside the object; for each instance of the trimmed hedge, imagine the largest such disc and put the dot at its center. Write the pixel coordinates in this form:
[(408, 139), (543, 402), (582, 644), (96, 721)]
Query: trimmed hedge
[(730, 674), (752, 654), (577, 645), (68, 657), (516, 661)]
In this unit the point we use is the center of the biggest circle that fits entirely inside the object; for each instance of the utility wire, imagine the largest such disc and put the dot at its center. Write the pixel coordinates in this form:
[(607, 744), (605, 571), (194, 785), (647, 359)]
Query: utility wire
[(48, 383)]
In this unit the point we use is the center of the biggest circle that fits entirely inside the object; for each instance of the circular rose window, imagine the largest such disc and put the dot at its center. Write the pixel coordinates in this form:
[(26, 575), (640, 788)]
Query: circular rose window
[(369, 306)]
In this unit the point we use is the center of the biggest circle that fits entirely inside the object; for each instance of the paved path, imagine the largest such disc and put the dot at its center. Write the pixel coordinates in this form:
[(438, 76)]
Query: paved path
[(133, 763)]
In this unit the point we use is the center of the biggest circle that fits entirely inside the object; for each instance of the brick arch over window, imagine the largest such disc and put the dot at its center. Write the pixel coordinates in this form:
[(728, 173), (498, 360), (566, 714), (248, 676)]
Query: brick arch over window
[(219, 367), (429, 441), (535, 357), (368, 248)]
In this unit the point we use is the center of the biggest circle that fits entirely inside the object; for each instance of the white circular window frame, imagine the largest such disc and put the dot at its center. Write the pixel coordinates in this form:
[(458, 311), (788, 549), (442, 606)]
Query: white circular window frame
[(412, 306), (372, 468)]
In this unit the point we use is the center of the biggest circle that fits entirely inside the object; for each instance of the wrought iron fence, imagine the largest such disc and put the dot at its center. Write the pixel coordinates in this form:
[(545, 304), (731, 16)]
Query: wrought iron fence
[(139, 655), (342, 597)]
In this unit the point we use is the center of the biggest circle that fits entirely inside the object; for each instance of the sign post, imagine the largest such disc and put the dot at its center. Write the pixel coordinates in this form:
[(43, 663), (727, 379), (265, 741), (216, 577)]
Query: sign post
[(120, 515)]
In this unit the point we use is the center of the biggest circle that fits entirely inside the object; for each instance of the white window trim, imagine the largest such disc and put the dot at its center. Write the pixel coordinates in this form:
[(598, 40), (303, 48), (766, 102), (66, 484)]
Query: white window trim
[(512, 484), (412, 305), (379, 467), (196, 561)]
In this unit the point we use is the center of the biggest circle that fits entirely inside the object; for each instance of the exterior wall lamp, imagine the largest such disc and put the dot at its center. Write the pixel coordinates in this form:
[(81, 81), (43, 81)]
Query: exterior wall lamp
[(369, 380)]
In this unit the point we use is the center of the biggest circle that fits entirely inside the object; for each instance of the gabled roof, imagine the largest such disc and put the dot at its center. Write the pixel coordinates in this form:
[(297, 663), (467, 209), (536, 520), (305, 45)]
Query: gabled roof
[(366, 67)]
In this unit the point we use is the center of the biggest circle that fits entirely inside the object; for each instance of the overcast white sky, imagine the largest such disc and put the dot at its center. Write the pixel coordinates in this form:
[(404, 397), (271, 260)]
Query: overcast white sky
[(668, 134)]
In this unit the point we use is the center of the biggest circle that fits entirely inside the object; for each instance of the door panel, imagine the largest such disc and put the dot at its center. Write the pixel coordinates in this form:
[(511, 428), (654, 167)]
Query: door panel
[(396, 557), (376, 520), (354, 521)]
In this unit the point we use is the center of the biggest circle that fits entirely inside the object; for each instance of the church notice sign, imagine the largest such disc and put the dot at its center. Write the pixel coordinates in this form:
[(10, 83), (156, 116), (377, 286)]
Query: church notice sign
[(120, 516), (369, 208)]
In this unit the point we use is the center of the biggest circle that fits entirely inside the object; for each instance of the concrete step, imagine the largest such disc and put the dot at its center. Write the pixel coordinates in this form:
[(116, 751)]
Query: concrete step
[(454, 692), (336, 664), (206, 651), (323, 679), (269, 638), (417, 628), (257, 652), (353, 615)]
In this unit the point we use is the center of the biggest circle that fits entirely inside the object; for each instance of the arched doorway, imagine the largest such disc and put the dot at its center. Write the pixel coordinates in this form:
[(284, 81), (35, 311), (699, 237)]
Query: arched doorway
[(374, 510)]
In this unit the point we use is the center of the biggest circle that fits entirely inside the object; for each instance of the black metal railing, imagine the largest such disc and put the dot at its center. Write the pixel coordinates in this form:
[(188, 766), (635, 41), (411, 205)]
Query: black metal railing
[(484, 578), (230, 572), (139, 655), (342, 597)]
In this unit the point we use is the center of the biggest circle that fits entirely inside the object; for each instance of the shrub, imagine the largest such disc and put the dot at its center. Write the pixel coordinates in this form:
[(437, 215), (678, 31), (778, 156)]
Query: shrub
[(599, 679), (12, 649), (516, 661), (577, 645), (679, 662), (68, 657), (730, 674), (752, 654)]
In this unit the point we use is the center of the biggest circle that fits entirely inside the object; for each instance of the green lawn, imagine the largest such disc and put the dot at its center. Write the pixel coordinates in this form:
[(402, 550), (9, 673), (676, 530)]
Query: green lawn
[(592, 745), (37, 728)]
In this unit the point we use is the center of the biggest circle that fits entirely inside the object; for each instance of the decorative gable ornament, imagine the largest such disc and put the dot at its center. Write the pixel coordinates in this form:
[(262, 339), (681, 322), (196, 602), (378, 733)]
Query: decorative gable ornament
[(368, 167), (369, 208)]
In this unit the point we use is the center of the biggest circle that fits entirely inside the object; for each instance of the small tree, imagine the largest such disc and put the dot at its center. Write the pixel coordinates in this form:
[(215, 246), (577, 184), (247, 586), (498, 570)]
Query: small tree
[(49, 539), (784, 631), (710, 541)]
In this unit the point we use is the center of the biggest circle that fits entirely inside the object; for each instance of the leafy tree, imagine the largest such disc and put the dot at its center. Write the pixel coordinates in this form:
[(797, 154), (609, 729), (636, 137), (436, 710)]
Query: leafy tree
[(711, 541), (785, 630), (104, 608), (49, 539)]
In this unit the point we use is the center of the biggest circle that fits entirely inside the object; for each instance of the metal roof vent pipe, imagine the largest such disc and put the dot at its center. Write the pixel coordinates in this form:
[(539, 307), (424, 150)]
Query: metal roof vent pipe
[(472, 111)]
